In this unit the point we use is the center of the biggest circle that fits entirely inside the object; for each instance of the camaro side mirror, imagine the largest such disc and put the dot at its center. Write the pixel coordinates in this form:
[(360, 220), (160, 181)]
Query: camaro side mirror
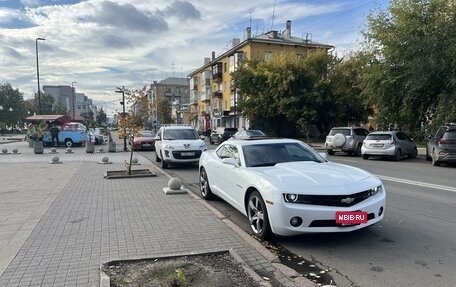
[(323, 155)]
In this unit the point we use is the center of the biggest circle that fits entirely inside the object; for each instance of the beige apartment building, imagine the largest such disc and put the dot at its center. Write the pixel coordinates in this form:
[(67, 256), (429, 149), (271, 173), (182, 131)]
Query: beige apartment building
[(213, 95)]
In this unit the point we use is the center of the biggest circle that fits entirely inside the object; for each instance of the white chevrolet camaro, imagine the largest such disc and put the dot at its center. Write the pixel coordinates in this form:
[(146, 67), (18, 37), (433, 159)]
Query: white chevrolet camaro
[(285, 187)]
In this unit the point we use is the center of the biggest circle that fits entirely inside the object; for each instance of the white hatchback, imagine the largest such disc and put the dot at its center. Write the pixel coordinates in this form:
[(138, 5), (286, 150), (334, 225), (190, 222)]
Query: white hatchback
[(178, 144)]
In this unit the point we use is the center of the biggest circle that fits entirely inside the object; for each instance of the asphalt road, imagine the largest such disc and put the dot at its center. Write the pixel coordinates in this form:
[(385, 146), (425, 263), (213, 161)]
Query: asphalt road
[(415, 245)]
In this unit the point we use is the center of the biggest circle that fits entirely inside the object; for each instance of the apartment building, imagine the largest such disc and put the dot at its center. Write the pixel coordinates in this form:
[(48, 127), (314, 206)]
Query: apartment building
[(79, 106), (175, 91), (213, 95)]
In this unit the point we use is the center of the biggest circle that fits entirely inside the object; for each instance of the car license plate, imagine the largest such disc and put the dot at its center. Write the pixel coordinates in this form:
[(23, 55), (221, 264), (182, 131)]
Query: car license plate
[(189, 153), (147, 145), (346, 218)]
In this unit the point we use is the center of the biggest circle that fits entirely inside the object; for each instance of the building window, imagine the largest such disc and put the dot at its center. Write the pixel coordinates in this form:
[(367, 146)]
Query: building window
[(268, 55)]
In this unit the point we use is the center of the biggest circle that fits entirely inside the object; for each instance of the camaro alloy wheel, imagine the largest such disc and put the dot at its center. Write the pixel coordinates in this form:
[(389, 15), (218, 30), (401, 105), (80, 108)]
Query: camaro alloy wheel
[(206, 192), (258, 215)]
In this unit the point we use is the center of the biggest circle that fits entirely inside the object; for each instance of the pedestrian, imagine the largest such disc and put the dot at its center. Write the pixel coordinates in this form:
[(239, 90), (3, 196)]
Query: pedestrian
[(54, 130)]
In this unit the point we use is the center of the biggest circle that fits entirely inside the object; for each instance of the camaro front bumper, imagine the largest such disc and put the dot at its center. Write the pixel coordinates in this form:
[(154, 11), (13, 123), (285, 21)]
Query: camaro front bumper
[(322, 219)]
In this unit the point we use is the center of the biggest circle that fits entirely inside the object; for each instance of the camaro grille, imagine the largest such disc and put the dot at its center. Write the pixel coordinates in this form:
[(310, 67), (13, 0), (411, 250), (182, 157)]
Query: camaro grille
[(334, 200), (187, 154)]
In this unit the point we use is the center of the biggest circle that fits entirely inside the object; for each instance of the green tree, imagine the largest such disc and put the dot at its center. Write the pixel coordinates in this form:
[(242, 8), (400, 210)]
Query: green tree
[(164, 112), (348, 104), (285, 96), (411, 74), (47, 102), (13, 110), (59, 109), (101, 117)]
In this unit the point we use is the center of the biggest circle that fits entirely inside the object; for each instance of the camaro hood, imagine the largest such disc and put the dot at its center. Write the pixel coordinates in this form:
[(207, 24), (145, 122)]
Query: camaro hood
[(316, 177)]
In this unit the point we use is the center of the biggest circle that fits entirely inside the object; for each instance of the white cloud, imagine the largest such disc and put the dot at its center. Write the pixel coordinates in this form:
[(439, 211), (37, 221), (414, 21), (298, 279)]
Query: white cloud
[(102, 44)]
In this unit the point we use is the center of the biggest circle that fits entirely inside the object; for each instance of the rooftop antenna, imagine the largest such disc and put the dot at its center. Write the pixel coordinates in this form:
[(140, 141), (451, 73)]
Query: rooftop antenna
[(273, 11), (250, 20)]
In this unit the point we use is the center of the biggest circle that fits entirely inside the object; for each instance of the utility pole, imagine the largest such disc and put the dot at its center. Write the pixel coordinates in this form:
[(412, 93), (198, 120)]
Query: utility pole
[(122, 90)]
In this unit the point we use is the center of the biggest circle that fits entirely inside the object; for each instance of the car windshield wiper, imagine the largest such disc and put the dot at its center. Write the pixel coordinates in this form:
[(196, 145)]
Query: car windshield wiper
[(264, 164)]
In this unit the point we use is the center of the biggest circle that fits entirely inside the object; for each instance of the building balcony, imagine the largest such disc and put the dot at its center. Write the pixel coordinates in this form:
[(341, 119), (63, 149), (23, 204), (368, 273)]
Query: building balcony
[(205, 97), (217, 74), (217, 77), (217, 94)]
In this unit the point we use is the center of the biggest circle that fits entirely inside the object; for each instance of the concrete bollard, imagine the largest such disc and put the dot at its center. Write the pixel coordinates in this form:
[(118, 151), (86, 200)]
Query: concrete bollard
[(174, 186), (55, 159)]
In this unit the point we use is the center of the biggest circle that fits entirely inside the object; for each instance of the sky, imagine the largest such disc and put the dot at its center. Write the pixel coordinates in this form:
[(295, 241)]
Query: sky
[(104, 44)]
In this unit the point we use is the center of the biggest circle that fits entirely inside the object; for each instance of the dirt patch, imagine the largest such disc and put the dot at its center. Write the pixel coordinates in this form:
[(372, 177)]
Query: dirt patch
[(134, 173), (209, 270)]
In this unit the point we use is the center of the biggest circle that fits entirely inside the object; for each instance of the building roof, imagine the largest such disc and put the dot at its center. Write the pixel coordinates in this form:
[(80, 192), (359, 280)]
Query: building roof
[(174, 81), (51, 118), (273, 37)]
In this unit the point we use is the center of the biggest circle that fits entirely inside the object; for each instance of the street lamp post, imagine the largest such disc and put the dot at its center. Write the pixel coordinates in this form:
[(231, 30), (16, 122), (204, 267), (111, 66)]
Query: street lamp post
[(74, 100), (38, 73), (122, 90)]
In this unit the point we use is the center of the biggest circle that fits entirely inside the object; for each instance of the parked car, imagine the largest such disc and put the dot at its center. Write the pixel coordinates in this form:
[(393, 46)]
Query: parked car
[(96, 135), (392, 144), (144, 140), (178, 144), (248, 134), (221, 134), (70, 134), (285, 187), (345, 139), (442, 147)]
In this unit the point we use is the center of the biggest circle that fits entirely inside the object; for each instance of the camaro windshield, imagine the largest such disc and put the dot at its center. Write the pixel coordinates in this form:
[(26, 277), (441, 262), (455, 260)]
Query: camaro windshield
[(180, 134), (271, 154)]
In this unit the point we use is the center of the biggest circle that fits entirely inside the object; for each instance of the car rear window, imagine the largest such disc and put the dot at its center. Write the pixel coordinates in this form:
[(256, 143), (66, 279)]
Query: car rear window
[(378, 137), (345, 132), (360, 132), (451, 134)]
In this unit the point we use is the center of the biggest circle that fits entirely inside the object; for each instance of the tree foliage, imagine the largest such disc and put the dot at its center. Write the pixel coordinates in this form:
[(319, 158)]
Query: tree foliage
[(101, 117), (12, 102), (285, 95), (164, 112), (412, 71)]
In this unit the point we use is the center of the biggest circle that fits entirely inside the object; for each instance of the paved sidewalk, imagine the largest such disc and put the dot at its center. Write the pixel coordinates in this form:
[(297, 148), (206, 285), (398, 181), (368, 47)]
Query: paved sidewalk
[(59, 222)]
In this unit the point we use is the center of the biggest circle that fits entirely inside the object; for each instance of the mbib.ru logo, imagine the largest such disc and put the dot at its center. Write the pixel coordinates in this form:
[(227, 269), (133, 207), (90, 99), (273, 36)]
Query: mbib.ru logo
[(351, 217)]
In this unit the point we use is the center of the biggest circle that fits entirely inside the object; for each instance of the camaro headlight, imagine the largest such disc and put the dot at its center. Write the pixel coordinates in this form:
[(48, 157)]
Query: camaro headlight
[(375, 190), (290, 197)]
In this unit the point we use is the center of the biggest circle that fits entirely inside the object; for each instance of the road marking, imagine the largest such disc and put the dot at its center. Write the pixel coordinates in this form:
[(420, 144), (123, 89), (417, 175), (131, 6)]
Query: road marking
[(423, 184)]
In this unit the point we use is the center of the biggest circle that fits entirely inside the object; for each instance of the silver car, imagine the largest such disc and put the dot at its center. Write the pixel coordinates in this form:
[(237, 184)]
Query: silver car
[(442, 147), (392, 144)]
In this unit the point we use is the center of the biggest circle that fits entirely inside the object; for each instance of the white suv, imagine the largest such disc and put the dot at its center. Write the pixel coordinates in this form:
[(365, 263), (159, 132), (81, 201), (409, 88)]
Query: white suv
[(178, 144), (345, 139)]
